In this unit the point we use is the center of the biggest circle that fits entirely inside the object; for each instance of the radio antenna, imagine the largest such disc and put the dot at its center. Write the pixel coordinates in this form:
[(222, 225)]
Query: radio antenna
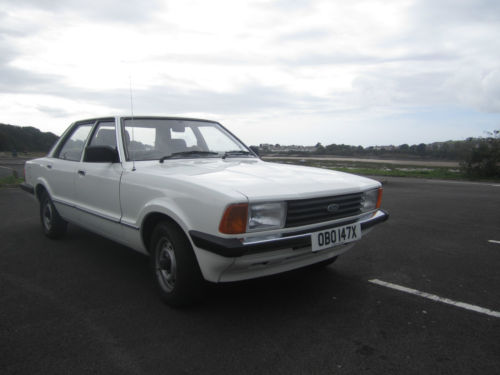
[(132, 113)]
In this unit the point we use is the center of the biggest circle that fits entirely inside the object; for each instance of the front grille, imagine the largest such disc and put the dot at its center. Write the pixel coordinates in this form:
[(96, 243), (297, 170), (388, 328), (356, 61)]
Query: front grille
[(315, 210)]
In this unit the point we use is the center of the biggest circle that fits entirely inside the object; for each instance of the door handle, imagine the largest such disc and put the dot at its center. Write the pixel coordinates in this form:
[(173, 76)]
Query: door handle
[(82, 173)]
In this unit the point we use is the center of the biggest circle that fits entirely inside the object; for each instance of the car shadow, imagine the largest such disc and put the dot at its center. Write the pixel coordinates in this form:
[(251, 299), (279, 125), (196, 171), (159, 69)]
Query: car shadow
[(114, 264), (306, 287)]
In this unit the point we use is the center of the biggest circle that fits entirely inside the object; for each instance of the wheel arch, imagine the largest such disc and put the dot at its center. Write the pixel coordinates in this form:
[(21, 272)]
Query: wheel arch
[(151, 220), (39, 190)]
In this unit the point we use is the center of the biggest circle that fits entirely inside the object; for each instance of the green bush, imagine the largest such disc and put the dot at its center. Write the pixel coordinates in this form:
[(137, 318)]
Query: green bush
[(483, 158)]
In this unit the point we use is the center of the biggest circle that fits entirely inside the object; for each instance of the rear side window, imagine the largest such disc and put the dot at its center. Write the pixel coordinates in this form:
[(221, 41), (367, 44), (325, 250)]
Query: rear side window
[(73, 146)]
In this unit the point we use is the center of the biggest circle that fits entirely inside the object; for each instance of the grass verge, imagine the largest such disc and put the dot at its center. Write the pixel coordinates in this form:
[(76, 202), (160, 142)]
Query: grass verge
[(10, 181), (382, 169)]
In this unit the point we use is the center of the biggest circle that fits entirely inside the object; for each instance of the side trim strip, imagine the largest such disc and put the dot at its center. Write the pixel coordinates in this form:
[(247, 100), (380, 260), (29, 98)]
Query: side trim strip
[(87, 211), (116, 221), (129, 225)]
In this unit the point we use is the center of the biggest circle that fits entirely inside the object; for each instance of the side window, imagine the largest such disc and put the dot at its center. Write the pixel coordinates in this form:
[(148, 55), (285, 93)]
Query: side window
[(105, 135), (73, 147)]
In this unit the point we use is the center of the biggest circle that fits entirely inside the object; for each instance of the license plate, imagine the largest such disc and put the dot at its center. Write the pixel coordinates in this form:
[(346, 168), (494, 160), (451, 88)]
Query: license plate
[(326, 239)]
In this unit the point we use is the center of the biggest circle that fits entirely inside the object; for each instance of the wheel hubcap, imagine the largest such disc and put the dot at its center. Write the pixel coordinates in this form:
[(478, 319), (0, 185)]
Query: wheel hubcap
[(166, 265), (47, 216)]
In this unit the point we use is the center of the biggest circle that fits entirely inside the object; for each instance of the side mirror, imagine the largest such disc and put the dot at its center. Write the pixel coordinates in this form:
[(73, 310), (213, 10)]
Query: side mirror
[(255, 150), (101, 154)]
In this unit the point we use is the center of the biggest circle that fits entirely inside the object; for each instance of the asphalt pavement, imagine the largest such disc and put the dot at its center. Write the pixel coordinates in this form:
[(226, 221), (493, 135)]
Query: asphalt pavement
[(5, 171), (84, 304)]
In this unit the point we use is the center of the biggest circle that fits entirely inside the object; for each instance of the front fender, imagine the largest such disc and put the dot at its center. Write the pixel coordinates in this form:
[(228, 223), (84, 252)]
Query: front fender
[(166, 207)]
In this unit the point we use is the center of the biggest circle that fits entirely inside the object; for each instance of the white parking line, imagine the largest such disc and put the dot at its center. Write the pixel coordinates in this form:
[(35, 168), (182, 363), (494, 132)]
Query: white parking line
[(494, 241), (458, 182), (433, 297)]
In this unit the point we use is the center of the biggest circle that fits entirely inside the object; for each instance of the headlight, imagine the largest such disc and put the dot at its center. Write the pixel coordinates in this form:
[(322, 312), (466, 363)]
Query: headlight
[(371, 199), (262, 216)]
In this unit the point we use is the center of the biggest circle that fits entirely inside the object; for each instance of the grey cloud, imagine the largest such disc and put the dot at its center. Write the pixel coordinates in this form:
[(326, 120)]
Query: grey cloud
[(357, 59), (463, 12), (14, 80), (7, 53), (54, 111), (477, 89), (249, 99), (11, 28), (490, 85), (163, 99), (291, 5), (17, 80), (307, 34), (130, 11), (390, 88), (470, 30), (462, 26), (220, 59), (465, 88)]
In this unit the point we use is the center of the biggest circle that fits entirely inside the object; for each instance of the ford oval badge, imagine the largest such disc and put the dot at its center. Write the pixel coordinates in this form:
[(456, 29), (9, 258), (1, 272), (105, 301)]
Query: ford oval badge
[(333, 207)]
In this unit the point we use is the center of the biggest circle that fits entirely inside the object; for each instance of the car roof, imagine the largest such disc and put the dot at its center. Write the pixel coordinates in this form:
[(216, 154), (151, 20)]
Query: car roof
[(119, 117)]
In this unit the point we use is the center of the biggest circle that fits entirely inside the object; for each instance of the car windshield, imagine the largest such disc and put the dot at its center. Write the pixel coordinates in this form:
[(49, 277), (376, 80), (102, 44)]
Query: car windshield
[(160, 138)]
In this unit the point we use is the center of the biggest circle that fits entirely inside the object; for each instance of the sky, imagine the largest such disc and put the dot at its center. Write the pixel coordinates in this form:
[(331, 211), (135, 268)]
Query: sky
[(272, 71)]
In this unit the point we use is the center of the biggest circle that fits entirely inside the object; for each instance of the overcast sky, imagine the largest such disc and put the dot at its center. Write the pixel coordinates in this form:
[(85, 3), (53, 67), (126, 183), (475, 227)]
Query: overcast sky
[(284, 71)]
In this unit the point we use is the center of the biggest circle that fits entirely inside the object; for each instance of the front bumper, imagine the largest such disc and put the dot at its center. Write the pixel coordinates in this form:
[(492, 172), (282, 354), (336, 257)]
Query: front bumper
[(235, 248)]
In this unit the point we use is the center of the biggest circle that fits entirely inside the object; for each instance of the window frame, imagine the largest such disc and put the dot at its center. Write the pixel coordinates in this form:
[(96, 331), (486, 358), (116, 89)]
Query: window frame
[(71, 130), (74, 128), (217, 124), (94, 132)]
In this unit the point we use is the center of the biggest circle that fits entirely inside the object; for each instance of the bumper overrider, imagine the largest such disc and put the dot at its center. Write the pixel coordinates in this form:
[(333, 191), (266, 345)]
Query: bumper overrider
[(234, 247), (27, 188)]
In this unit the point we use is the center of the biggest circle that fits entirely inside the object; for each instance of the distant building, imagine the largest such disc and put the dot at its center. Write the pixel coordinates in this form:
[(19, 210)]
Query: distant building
[(385, 148), (290, 148)]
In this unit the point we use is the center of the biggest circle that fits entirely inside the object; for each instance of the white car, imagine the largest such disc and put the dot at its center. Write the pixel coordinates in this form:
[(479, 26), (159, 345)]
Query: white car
[(197, 200)]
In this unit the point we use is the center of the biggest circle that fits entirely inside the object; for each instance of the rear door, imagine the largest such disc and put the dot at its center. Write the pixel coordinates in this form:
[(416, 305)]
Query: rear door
[(61, 170)]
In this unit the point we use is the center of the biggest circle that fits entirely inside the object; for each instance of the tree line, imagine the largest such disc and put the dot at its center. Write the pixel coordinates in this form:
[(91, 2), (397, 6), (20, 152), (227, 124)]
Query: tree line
[(25, 139), (479, 157), (450, 150)]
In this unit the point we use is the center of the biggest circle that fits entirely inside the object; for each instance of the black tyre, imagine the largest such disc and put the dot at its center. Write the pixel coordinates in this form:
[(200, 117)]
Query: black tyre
[(53, 225), (174, 265)]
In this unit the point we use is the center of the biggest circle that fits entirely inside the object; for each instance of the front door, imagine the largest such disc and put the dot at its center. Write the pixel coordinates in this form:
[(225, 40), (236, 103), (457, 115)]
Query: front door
[(97, 186)]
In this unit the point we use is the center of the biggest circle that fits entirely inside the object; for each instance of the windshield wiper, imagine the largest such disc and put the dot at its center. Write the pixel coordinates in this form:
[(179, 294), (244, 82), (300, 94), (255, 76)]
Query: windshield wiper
[(236, 153), (187, 153)]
